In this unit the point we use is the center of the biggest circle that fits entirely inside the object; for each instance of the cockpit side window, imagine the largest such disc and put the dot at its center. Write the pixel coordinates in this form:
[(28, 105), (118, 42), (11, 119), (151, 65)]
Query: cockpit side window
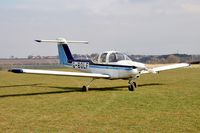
[(103, 58), (112, 58), (95, 57)]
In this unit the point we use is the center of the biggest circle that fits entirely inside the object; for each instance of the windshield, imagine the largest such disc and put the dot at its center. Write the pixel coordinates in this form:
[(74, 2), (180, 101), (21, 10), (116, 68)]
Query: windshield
[(126, 57), (120, 56)]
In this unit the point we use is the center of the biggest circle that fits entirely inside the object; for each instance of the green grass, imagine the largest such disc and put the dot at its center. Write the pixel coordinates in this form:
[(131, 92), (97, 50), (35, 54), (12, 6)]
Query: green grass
[(167, 102)]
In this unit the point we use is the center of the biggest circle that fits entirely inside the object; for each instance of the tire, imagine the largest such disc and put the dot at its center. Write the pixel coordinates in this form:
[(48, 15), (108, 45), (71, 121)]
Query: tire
[(85, 88), (131, 87)]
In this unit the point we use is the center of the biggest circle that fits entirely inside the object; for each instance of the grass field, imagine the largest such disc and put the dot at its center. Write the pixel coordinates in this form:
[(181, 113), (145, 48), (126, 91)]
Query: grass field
[(167, 102)]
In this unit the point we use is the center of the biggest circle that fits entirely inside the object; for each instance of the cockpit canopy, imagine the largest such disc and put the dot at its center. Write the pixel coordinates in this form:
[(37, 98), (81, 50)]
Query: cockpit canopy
[(112, 57)]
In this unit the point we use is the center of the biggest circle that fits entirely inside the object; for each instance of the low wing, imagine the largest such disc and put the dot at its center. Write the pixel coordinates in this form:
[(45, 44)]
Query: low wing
[(59, 73), (163, 68)]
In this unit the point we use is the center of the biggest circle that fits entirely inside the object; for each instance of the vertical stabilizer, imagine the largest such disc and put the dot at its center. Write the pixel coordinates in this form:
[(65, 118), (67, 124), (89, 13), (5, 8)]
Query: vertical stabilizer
[(65, 54)]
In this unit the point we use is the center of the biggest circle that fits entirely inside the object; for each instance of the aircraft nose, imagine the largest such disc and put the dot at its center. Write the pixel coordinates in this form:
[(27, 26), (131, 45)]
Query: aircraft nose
[(141, 66)]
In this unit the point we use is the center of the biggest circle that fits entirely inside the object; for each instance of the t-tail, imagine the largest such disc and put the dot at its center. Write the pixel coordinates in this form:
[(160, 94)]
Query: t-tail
[(64, 52)]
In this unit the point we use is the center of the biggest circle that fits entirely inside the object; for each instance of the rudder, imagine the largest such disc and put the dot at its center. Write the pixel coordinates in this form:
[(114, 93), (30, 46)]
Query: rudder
[(65, 54)]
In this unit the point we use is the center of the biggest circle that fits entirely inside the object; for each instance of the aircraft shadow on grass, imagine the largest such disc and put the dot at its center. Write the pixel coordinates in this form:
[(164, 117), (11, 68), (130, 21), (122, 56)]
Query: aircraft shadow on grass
[(13, 86), (65, 89)]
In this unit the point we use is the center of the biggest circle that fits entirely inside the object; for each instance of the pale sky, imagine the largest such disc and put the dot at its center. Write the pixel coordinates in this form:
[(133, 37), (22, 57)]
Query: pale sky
[(131, 26)]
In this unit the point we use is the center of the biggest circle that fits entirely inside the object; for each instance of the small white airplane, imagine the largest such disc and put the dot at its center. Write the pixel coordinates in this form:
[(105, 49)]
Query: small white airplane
[(110, 65)]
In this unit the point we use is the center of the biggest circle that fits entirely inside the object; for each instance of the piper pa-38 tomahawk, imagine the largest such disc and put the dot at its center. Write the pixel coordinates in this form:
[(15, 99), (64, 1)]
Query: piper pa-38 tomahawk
[(110, 65)]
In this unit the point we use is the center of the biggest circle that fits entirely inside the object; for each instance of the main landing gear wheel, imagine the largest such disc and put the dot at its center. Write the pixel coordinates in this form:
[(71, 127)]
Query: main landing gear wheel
[(85, 88), (131, 87)]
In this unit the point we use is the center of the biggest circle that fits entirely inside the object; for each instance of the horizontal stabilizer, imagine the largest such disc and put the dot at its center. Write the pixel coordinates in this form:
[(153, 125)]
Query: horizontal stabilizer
[(61, 41), (59, 73)]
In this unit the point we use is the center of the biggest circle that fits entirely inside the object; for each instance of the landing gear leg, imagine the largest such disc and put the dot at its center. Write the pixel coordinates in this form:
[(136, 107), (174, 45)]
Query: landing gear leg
[(132, 85), (86, 88)]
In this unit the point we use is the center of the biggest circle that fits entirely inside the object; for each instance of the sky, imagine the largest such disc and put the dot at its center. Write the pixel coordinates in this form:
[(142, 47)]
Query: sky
[(149, 27)]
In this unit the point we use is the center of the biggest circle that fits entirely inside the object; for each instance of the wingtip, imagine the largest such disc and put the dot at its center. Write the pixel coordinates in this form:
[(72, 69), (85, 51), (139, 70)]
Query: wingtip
[(194, 62), (38, 40), (15, 70)]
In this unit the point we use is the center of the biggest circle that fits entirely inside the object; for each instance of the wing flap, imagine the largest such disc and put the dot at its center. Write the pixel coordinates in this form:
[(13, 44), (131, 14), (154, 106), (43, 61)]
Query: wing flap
[(59, 73)]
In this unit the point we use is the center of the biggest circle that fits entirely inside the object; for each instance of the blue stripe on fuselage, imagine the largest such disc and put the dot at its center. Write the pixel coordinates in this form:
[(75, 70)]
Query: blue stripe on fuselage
[(110, 67), (104, 66)]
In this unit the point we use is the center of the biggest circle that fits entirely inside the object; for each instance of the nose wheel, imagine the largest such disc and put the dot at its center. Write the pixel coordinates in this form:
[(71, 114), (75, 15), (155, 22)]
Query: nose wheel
[(132, 86)]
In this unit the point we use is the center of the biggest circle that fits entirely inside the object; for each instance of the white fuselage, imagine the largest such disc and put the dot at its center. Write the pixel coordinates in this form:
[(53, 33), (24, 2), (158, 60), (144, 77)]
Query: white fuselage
[(123, 69)]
